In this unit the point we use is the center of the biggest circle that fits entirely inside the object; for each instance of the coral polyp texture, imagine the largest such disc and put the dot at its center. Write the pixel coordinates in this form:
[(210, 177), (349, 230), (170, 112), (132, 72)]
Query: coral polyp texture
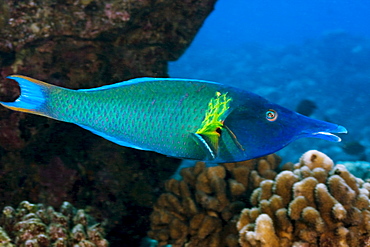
[(316, 204), (202, 208), (34, 225)]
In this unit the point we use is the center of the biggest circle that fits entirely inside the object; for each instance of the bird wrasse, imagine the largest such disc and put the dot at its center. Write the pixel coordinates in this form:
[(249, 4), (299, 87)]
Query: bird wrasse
[(187, 119)]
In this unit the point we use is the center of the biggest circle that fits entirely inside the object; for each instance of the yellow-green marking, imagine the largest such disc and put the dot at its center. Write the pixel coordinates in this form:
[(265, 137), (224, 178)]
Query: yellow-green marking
[(213, 119), (212, 124)]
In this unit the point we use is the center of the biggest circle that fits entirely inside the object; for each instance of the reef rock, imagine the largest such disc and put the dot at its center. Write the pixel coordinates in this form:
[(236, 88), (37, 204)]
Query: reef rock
[(84, 44), (315, 204), (91, 42)]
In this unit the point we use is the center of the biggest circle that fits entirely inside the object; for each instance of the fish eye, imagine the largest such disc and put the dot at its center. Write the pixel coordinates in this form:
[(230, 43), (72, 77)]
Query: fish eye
[(271, 115)]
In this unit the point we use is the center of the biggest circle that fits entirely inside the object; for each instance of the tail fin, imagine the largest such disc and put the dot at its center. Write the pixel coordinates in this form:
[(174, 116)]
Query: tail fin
[(33, 95)]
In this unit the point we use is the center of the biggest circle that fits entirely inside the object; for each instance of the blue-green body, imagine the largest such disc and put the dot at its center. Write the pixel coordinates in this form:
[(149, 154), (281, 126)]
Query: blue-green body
[(166, 115)]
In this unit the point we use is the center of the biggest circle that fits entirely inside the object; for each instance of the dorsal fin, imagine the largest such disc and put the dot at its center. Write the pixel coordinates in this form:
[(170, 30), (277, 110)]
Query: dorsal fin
[(118, 84), (140, 80)]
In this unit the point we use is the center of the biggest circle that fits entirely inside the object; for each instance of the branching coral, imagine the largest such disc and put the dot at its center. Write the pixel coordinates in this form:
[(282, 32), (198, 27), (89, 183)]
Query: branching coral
[(201, 209), (316, 204), (34, 225)]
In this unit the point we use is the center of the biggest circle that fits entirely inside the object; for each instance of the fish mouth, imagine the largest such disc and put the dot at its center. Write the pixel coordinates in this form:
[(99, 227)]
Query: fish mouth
[(327, 134)]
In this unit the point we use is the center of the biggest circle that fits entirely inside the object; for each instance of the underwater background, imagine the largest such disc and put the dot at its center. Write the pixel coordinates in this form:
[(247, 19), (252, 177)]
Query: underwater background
[(309, 56), (289, 51)]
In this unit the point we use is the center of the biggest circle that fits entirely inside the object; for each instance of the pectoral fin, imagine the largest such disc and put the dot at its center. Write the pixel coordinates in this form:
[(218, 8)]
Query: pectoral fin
[(209, 133), (230, 149), (209, 143)]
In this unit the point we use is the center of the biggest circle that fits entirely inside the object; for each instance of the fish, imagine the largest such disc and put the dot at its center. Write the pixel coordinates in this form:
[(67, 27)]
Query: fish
[(306, 107), (353, 148), (183, 118)]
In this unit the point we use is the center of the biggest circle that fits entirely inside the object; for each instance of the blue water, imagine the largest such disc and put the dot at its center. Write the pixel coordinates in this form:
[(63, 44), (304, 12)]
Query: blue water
[(291, 50), (281, 22)]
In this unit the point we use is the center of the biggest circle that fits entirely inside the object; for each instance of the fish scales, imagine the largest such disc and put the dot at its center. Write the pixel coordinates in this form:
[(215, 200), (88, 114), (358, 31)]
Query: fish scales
[(179, 108), (188, 119)]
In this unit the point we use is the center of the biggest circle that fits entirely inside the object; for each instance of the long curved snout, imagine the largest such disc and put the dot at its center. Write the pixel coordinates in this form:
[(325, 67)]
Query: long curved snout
[(321, 129)]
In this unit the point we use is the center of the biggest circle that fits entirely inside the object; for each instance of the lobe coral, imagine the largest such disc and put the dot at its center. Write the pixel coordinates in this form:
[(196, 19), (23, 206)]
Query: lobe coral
[(202, 208), (315, 204)]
